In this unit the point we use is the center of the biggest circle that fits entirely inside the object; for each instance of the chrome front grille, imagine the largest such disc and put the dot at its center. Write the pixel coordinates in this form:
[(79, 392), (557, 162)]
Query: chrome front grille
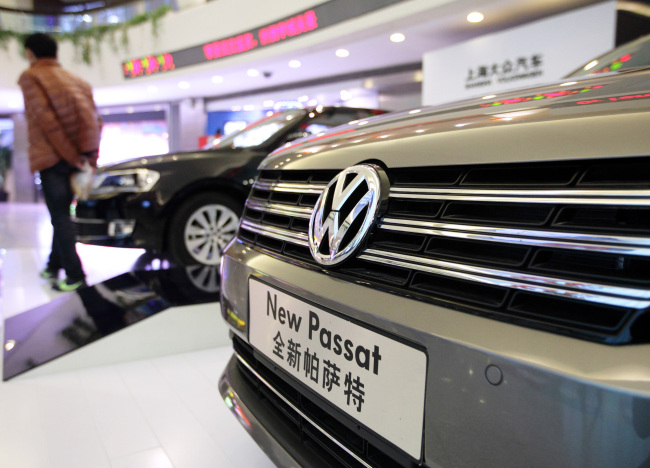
[(563, 247)]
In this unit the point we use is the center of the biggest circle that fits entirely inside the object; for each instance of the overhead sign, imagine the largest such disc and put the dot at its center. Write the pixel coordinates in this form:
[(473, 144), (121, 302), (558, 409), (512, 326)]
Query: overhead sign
[(326, 14), (528, 55)]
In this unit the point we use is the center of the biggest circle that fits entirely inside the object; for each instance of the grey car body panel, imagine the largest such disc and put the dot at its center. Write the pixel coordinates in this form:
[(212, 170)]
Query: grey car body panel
[(562, 402), (561, 399), (545, 129)]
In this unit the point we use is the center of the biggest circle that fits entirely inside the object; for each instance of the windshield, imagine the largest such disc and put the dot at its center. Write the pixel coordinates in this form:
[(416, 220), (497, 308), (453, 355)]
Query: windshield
[(635, 54), (261, 131)]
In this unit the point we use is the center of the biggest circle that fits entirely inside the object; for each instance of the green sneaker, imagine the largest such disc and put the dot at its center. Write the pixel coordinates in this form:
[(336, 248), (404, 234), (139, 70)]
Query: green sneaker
[(49, 274), (65, 285)]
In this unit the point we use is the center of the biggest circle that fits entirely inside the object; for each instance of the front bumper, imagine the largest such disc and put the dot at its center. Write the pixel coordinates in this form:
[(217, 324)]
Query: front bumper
[(497, 395), (122, 220)]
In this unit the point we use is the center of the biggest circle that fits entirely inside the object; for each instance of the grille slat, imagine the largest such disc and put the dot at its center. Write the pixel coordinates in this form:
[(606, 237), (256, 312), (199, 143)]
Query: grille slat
[(561, 247)]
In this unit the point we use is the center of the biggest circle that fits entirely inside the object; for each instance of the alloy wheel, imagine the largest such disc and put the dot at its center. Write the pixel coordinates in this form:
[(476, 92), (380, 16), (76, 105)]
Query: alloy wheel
[(207, 232)]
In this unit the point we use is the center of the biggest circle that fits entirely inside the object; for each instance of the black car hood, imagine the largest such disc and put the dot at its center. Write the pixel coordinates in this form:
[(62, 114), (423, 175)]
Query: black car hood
[(546, 122), (162, 160)]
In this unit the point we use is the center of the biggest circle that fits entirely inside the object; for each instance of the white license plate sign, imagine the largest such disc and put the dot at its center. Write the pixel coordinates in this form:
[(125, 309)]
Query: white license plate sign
[(375, 379)]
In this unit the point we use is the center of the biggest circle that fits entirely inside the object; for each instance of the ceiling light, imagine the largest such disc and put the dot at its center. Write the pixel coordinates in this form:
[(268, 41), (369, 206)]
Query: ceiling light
[(235, 108), (591, 65), (130, 110), (252, 72), (249, 107), (345, 95), (217, 79), (489, 96), (295, 64), (397, 37), (87, 19), (313, 103), (268, 103), (475, 17), (113, 19), (415, 111), (342, 53), (569, 83), (303, 98), (184, 85)]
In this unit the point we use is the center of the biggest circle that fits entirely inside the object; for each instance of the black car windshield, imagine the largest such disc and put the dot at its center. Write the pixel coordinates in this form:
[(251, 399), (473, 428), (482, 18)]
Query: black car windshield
[(261, 131), (635, 54)]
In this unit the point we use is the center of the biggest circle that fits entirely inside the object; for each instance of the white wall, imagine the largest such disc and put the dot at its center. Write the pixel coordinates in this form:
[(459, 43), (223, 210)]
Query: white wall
[(558, 45), (178, 30)]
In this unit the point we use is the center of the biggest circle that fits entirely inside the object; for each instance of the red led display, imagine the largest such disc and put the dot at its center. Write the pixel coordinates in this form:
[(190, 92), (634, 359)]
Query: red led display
[(292, 27), (230, 46), (148, 65), (266, 35)]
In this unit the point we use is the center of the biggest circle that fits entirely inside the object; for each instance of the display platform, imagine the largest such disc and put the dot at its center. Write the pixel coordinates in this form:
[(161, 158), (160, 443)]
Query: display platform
[(164, 296)]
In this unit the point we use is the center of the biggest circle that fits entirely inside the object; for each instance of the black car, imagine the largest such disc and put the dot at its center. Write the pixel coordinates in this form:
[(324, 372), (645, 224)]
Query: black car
[(188, 205)]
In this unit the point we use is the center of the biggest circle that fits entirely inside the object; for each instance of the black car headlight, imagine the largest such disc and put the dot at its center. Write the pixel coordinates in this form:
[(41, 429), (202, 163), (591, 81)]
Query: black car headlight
[(128, 180)]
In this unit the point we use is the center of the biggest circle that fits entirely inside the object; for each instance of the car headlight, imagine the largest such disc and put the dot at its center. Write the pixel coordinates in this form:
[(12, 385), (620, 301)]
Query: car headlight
[(128, 180)]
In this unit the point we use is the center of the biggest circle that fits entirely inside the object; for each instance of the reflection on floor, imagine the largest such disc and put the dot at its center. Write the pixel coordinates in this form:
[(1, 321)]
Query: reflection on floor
[(37, 336), (143, 396)]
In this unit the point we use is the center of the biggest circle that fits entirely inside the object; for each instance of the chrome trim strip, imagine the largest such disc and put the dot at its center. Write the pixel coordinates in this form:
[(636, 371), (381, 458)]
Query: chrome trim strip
[(292, 188), (569, 197), (563, 240), (303, 415), (298, 238), (90, 220), (83, 239), (591, 292), (280, 209)]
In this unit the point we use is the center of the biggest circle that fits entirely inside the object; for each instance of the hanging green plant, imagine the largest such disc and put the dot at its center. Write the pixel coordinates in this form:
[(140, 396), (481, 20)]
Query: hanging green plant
[(7, 35), (87, 41)]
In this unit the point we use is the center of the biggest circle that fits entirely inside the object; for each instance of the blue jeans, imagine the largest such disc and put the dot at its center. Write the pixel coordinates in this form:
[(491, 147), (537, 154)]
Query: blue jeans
[(58, 196)]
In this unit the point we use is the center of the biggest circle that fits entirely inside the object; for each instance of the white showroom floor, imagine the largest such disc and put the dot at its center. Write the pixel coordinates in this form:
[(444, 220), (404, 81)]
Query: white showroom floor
[(123, 401)]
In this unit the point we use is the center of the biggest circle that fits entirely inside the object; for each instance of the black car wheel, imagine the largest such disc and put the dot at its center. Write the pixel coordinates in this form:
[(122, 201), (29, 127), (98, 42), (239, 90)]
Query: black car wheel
[(201, 228)]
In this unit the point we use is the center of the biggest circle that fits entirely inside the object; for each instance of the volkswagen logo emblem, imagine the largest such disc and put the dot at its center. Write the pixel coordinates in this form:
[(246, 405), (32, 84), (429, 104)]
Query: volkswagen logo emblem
[(345, 212)]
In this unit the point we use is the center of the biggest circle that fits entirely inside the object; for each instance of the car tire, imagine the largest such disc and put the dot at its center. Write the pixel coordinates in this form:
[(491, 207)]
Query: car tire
[(201, 227)]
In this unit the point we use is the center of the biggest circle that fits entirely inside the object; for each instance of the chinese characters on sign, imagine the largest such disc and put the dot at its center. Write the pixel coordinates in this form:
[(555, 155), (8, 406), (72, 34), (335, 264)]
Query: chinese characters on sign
[(357, 369), (326, 375), (515, 69), (353, 386)]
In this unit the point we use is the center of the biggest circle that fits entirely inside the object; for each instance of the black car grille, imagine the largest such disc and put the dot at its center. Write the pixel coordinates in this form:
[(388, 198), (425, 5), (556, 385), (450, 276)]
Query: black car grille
[(313, 423), (563, 247)]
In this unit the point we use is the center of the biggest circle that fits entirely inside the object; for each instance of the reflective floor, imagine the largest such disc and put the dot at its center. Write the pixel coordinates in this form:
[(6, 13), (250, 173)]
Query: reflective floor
[(123, 374)]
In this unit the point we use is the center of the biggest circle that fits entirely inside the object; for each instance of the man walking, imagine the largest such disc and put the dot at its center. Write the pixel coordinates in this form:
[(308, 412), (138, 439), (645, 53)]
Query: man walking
[(63, 128)]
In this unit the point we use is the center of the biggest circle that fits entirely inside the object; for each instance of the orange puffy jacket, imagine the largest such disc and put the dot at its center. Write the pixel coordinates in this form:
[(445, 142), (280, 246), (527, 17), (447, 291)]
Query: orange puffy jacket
[(62, 119)]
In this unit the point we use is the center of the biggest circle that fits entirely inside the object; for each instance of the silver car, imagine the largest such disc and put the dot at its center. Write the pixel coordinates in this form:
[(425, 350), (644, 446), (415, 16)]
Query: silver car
[(457, 286)]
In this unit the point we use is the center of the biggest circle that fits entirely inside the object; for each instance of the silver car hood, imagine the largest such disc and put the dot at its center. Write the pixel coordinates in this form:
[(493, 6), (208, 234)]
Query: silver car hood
[(534, 124)]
